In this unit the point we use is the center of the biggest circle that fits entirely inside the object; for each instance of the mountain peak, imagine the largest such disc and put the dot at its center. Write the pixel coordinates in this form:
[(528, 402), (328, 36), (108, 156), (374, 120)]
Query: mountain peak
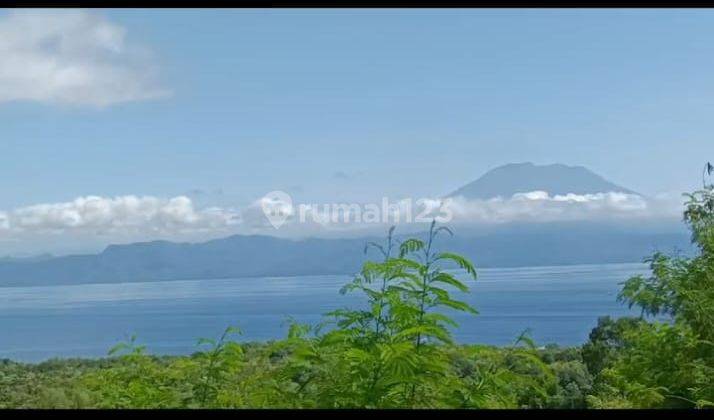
[(557, 178)]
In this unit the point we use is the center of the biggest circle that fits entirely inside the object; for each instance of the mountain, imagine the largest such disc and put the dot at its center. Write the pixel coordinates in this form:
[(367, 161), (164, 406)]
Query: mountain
[(250, 256), (514, 178)]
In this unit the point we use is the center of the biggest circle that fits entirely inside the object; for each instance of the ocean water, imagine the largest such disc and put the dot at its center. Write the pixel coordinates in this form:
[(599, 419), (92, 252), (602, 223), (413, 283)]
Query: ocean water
[(559, 304)]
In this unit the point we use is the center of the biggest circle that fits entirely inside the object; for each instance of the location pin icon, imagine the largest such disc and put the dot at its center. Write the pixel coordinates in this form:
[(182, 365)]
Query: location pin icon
[(277, 207)]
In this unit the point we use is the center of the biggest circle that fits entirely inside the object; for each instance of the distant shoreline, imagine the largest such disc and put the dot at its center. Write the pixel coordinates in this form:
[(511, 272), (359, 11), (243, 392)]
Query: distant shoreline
[(514, 267)]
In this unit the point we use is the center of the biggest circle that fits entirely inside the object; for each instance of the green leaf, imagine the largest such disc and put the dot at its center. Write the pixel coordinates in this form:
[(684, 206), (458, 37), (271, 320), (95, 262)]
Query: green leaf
[(450, 280), (458, 305), (459, 260), (409, 246)]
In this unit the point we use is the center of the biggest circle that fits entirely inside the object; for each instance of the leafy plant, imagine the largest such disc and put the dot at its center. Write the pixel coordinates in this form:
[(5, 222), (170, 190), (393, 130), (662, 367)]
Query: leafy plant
[(669, 364)]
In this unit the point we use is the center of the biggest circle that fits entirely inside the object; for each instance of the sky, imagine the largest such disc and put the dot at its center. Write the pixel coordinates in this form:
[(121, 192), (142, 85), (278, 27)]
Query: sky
[(192, 114)]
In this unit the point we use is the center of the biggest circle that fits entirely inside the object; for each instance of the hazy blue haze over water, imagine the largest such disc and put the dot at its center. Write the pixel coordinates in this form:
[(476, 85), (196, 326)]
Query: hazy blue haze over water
[(559, 304)]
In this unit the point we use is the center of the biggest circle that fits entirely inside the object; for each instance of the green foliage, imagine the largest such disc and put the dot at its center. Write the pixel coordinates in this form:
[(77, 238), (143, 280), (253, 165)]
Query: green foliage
[(664, 364), (606, 342), (390, 354)]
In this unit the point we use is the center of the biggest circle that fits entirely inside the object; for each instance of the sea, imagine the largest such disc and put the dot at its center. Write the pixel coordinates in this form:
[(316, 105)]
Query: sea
[(553, 304)]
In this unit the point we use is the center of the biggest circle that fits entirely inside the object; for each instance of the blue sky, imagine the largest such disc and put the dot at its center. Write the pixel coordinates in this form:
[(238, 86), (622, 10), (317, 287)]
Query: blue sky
[(357, 104)]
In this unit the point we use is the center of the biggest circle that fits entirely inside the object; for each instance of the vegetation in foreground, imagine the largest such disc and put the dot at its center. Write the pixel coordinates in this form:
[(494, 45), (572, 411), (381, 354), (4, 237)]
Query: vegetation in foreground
[(398, 352)]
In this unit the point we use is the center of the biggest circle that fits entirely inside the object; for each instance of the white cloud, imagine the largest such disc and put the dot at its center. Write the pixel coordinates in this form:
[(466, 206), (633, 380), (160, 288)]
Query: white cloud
[(539, 206), (530, 207), (90, 223), (118, 215), (4, 221), (72, 57)]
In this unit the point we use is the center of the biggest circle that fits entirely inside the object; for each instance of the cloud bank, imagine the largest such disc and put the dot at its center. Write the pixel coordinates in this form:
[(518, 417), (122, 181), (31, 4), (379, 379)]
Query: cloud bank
[(529, 207), (130, 218), (72, 57), (118, 215), (539, 206)]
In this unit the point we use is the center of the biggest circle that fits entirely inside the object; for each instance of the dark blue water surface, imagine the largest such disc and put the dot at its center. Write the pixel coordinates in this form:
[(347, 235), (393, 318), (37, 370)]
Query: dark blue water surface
[(559, 305)]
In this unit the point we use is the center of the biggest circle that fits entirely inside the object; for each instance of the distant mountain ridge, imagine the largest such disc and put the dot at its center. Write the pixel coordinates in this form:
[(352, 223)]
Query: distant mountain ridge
[(26, 259), (556, 179), (258, 256)]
